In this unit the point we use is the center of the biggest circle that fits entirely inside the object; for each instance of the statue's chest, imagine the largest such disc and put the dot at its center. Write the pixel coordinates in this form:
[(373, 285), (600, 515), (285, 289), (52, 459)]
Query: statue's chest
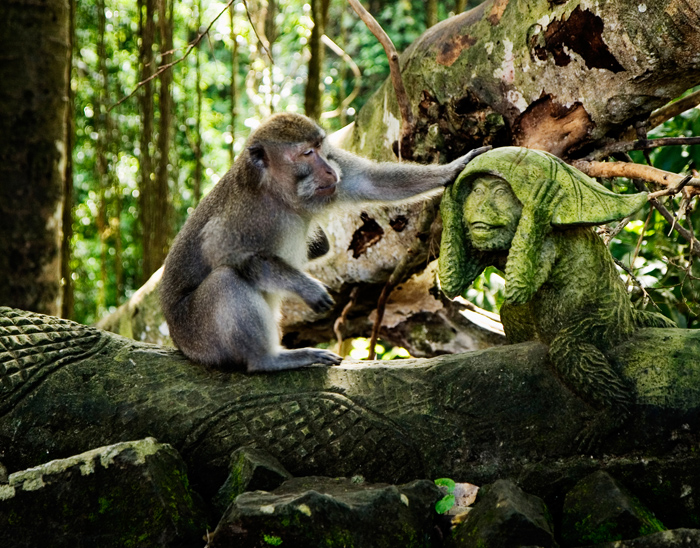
[(540, 319)]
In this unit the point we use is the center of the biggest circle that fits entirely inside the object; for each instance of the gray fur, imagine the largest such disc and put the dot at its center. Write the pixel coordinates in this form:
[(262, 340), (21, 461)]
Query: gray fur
[(244, 247)]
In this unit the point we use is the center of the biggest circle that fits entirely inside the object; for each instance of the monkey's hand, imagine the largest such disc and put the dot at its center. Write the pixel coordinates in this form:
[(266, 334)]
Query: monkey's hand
[(458, 165), (324, 357), (318, 298)]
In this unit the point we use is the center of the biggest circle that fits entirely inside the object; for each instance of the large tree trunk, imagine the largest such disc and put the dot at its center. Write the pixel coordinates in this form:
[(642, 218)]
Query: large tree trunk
[(35, 50), (561, 77)]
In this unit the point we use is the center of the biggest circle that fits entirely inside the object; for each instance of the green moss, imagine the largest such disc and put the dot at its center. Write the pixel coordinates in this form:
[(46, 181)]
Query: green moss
[(272, 540)]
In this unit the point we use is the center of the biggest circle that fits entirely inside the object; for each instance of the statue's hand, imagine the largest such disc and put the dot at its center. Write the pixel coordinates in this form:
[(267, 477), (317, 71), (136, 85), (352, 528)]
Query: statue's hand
[(538, 211)]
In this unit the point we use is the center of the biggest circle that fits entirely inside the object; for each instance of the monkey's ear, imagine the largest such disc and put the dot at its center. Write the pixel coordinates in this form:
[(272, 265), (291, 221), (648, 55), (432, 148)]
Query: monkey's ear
[(258, 156)]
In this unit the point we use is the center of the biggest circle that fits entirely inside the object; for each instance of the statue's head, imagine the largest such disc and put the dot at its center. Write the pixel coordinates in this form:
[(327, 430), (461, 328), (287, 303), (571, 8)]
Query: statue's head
[(491, 213), (481, 211)]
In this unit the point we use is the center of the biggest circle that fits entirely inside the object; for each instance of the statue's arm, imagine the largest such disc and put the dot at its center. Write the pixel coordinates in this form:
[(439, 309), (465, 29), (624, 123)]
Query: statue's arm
[(532, 252)]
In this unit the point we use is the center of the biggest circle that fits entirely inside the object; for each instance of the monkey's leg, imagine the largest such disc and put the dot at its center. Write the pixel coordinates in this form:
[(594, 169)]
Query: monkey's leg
[(231, 322), (587, 372)]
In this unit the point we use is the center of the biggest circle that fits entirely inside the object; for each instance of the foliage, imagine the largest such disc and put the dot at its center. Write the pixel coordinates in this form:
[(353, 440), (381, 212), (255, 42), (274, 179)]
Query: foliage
[(448, 501)]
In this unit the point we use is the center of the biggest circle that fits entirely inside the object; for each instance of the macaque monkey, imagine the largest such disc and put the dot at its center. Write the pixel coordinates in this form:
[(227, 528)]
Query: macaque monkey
[(245, 245)]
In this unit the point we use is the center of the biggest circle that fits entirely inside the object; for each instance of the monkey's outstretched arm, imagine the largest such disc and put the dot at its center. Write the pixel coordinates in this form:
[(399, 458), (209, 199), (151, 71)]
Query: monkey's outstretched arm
[(272, 274), (362, 179)]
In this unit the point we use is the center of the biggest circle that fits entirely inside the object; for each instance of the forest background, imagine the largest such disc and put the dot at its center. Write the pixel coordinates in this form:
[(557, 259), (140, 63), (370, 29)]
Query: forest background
[(144, 155)]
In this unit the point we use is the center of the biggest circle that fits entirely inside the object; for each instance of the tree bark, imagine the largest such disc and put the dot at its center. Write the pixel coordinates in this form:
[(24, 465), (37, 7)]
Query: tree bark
[(68, 302), (559, 77), (35, 67), (162, 225), (197, 182), (146, 183), (103, 129), (234, 85), (313, 102)]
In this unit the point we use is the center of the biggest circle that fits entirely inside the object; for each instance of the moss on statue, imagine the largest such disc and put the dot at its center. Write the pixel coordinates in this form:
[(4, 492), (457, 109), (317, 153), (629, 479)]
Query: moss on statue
[(530, 214)]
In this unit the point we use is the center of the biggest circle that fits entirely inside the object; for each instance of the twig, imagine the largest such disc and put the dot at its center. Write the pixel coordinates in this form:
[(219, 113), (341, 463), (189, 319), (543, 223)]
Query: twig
[(168, 66), (639, 245), (264, 43), (355, 70), (471, 306), (672, 191), (615, 231), (636, 281), (407, 120), (643, 144), (413, 256), (635, 171), (343, 316), (670, 218)]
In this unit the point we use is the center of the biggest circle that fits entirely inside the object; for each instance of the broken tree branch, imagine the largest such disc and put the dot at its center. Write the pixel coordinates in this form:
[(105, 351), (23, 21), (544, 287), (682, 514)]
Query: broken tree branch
[(671, 191), (667, 112)]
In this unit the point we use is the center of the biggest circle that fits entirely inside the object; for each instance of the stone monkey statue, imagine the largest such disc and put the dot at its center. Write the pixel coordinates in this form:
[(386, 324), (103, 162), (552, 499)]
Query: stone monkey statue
[(245, 245), (530, 214)]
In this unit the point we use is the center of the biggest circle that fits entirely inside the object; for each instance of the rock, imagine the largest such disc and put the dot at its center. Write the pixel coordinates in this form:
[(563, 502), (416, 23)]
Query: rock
[(676, 538), (598, 509), (250, 469), (504, 516), (481, 415), (316, 511), (127, 494)]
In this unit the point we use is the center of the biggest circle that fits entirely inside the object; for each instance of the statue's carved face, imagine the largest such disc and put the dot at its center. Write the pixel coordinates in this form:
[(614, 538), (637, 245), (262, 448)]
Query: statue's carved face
[(492, 213)]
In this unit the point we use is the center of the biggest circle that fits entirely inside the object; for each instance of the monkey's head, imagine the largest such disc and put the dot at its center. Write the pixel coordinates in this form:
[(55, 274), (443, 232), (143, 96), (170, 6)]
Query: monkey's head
[(287, 151)]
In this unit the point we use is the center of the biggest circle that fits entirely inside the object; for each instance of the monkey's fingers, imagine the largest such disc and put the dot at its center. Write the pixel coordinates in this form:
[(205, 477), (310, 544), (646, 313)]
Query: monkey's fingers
[(326, 357), (469, 156), (322, 304)]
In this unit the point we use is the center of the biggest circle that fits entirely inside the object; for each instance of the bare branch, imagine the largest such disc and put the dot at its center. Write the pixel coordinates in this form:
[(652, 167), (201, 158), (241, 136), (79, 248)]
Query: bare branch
[(615, 231), (672, 191), (636, 171), (650, 174), (343, 316), (643, 144), (672, 110), (264, 43), (355, 70), (168, 66), (407, 120)]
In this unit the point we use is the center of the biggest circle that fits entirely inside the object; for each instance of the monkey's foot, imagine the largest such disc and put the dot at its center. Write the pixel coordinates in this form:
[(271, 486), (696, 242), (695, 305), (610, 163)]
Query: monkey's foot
[(294, 359)]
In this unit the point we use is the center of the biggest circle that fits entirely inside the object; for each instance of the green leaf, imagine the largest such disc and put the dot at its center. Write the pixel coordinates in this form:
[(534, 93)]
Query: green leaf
[(447, 483), (444, 504)]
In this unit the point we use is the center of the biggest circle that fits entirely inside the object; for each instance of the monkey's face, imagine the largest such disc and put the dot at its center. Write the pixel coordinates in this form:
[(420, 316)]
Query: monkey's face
[(492, 213), (316, 178)]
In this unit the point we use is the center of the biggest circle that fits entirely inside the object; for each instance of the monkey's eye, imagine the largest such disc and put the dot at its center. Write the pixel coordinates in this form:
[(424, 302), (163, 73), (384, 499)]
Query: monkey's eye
[(308, 152)]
